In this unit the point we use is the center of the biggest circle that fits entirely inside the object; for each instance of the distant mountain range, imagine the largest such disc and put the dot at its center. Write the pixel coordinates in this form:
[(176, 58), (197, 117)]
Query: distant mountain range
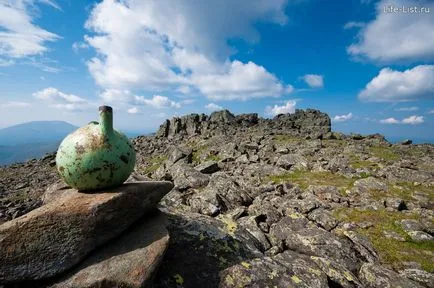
[(34, 139), (31, 140)]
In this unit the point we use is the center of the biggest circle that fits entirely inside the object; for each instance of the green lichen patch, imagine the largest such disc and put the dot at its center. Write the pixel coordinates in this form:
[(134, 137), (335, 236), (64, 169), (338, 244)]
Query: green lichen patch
[(202, 153), (356, 163), (391, 251), (154, 164), (384, 152), (286, 139)]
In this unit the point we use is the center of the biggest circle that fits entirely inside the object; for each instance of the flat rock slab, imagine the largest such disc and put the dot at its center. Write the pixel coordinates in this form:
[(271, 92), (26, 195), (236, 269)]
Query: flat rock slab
[(59, 234), (129, 261)]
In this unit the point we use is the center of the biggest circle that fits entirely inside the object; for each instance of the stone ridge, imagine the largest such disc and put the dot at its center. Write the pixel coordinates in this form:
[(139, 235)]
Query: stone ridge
[(306, 123)]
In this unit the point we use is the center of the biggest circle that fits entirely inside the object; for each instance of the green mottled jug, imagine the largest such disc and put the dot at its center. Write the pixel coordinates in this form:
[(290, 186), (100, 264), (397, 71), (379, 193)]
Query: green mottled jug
[(96, 156)]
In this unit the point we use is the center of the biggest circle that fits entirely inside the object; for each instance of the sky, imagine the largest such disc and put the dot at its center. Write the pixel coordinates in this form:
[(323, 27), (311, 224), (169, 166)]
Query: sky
[(368, 64)]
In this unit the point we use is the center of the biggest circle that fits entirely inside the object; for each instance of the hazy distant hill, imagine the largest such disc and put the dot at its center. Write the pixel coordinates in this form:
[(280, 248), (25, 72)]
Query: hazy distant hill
[(31, 140)]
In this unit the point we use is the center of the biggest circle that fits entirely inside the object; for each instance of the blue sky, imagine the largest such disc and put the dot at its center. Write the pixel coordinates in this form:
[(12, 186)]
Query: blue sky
[(370, 67)]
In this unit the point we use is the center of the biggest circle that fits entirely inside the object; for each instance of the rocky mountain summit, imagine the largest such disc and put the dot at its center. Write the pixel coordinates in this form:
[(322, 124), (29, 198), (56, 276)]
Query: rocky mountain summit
[(282, 202)]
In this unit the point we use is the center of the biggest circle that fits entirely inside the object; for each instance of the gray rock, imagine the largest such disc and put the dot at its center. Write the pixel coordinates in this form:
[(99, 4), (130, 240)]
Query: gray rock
[(395, 203), (323, 218), (60, 234), (207, 167), (419, 236), (187, 177), (249, 223), (370, 184), (288, 269), (302, 237), (375, 276), (393, 235), (409, 225), (420, 276), (363, 246)]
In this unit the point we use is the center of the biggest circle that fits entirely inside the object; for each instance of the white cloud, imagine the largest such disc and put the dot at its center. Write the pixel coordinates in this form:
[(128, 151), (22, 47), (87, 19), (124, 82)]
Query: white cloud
[(397, 36), (76, 46), (241, 81), (60, 100), (431, 111), (405, 109), (343, 118), (395, 86), (289, 107), (184, 89), (213, 107), (16, 104), (19, 37), (5, 63), (51, 93), (390, 121), (313, 80), (133, 110), (158, 101), (413, 120), (138, 49), (354, 24)]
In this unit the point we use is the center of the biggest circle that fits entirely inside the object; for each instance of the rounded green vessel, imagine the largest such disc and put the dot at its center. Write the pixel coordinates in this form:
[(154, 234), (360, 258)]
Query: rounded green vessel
[(96, 156)]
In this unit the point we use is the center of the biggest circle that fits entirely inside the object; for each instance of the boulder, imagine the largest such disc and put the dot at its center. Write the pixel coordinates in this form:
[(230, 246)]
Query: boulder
[(375, 276), (59, 234), (131, 260)]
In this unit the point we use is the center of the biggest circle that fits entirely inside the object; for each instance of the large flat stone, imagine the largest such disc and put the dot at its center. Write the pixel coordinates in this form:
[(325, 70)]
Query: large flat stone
[(59, 234), (131, 260)]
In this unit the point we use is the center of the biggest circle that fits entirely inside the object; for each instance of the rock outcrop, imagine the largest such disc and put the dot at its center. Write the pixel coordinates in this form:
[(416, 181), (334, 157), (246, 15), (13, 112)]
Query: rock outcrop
[(308, 123)]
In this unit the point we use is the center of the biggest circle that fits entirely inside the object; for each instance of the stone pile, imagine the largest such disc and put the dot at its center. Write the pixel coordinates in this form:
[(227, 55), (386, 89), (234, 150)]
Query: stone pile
[(107, 233)]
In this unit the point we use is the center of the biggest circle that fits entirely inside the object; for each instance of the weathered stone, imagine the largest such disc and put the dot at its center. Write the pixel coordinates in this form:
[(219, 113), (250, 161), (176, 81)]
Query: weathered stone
[(208, 167), (409, 225), (370, 184), (362, 245), (419, 236), (249, 223), (200, 247), (420, 276), (131, 260), (56, 236), (393, 235), (288, 269), (375, 276), (323, 218), (187, 177), (304, 237)]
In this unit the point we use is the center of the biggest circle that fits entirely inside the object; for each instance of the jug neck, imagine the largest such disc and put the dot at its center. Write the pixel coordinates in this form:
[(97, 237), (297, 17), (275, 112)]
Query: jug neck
[(106, 119)]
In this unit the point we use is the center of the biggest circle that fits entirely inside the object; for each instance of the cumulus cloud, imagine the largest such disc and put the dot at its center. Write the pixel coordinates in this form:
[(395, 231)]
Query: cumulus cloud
[(213, 107), (354, 24), (406, 109), (289, 107), (396, 37), (313, 80), (390, 121), (19, 37), (343, 118), (76, 46), (60, 100), (133, 110), (158, 101), (413, 120), (396, 86), (138, 49), (431, 111)]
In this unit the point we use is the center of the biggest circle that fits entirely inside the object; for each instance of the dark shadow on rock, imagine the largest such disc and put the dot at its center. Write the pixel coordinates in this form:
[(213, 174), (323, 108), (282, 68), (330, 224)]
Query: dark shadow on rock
[(200, 247)]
